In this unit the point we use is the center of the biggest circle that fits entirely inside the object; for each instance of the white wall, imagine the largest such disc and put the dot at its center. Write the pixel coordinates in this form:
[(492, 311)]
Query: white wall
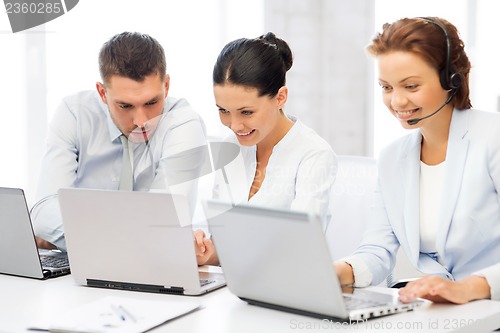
[(13, 94), (332, 83), (331, 79), (40, 66)]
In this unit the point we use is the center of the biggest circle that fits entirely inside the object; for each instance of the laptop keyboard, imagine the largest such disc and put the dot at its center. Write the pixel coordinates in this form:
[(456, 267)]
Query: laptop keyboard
[(204, 282), (55, 262), (355, 303)]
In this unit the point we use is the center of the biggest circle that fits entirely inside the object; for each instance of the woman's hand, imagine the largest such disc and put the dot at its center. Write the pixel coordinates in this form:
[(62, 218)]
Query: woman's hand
[(437, 289), (205, 250)]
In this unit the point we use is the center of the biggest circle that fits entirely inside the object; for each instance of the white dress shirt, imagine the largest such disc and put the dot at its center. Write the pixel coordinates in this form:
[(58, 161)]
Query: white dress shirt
[(84, 151), (299, 174)]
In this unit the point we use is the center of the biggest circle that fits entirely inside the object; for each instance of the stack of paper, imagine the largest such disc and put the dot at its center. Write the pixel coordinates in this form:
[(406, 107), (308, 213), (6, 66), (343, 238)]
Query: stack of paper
[(117, 314)]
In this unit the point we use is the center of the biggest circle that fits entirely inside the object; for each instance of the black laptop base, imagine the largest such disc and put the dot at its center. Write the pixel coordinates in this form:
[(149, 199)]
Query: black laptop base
[(313, 314), (292, 310), (135, 287)]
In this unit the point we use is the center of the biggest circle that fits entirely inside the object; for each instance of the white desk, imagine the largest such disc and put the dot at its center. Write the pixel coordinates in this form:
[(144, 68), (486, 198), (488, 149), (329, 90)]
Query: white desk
[(25, 301)]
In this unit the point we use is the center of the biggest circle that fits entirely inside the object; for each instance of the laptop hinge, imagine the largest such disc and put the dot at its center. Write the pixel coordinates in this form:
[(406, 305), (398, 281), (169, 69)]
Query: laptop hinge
[(135, 287)]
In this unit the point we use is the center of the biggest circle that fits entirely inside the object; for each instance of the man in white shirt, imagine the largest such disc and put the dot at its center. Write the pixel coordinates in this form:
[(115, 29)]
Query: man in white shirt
[(86, 139)]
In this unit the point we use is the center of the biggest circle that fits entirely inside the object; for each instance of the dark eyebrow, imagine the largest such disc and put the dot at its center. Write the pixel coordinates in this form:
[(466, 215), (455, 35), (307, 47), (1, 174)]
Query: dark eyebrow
[(239, 109), (409, 77), (121, 102), (156, 98), (403, 80)]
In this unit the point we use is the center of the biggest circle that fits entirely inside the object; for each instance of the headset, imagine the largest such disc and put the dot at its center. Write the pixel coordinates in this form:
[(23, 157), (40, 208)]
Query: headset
[(450, 80)]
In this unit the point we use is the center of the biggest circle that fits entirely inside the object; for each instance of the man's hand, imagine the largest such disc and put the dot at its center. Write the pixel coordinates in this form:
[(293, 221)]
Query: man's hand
[(43, 244), (344, 273)]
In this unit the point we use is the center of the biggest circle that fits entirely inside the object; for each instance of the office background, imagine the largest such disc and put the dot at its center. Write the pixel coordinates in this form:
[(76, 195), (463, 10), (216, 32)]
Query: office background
[(332, 82)]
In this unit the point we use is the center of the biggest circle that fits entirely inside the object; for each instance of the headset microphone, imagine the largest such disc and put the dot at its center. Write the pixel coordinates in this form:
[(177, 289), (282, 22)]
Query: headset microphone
[(415, 121)]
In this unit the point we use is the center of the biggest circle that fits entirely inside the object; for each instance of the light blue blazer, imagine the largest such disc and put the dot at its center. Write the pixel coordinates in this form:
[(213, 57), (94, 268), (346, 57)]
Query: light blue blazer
[(468, 237)]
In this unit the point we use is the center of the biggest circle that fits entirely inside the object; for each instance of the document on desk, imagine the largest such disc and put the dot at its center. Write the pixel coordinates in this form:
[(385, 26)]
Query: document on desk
[(119, 314)]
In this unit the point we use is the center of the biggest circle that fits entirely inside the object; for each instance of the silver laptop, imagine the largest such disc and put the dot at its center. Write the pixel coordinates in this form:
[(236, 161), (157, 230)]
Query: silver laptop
[(20, 255), (140, 241), (280, 260)]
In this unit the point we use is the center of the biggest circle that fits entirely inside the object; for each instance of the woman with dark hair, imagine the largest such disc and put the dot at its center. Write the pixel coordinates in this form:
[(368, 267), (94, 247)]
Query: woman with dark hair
[(285, 164), (438, 191)]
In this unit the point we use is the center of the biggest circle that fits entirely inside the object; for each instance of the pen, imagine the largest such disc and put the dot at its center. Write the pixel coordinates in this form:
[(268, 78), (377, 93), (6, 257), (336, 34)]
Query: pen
[(122, 313), (125, 314), (118, 312)]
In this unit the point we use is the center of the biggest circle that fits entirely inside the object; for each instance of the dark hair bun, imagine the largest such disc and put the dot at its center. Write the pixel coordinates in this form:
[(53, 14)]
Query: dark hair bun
[(281, 46)]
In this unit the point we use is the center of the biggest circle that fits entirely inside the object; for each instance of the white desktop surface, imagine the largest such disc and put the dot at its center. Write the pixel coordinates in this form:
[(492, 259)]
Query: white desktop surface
[(25, 301)]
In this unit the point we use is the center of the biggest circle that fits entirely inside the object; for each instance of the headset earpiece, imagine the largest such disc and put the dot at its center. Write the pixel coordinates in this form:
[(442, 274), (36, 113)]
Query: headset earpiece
[(455, 80), (451, 80)]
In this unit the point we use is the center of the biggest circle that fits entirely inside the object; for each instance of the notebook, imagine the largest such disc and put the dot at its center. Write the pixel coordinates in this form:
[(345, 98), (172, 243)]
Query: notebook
[(141, 241), (280, 260), (21, 256)]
